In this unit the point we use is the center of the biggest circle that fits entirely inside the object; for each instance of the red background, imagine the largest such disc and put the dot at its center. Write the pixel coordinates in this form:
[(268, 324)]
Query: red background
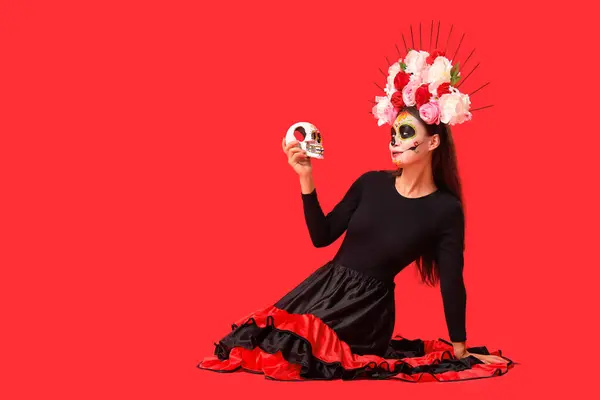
[(147, 203)]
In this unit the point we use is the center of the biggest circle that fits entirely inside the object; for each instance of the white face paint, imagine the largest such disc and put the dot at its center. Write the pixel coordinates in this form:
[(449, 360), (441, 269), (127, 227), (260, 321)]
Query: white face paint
[(312, 142), (409, 140)]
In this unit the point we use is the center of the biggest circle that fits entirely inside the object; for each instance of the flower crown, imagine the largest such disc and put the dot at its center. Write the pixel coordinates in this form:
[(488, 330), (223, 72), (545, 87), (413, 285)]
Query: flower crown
[(426, 81)]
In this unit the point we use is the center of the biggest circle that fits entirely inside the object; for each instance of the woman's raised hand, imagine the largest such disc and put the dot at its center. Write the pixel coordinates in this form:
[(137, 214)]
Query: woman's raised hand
[(297, 158)]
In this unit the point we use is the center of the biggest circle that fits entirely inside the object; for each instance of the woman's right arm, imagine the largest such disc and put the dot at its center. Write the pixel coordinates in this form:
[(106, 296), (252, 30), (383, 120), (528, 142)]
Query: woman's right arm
[(323, 229), (326, 229)]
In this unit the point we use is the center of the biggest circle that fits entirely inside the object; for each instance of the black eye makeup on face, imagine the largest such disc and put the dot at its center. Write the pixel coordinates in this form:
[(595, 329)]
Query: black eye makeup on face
[(406, 131)]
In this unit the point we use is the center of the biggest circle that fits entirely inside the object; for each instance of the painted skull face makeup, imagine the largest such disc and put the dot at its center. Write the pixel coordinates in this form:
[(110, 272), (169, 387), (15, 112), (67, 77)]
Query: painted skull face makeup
[(403, 127), (407, 135)]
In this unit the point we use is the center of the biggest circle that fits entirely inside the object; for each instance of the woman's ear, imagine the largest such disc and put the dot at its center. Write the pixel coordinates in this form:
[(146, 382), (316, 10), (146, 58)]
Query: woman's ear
[(434, 142)]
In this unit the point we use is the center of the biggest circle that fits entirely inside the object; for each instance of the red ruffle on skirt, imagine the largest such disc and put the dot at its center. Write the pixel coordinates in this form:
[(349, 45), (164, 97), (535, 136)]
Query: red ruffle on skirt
[(285, 346)]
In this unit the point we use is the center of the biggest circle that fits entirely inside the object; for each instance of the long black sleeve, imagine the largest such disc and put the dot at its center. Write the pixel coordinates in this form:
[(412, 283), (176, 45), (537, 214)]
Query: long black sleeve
[(450, 259), (325, 229)]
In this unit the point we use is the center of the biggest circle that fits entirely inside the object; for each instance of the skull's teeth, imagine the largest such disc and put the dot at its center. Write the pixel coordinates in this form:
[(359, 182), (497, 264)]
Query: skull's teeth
[(315, 149)]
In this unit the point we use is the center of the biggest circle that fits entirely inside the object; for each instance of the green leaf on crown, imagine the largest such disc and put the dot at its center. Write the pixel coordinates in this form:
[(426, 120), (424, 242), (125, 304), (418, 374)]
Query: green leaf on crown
[(454, 74), (402, 66)]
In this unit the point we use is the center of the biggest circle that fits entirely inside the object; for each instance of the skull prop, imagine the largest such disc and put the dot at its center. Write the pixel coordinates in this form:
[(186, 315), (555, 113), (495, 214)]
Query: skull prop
[(312, 142)]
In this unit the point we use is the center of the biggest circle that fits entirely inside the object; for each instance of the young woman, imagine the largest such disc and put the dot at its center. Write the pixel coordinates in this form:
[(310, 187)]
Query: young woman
[(338, 323)]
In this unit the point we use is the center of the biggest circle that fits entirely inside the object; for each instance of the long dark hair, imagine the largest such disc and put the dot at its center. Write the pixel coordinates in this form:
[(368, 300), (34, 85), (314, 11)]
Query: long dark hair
[(446, 178)]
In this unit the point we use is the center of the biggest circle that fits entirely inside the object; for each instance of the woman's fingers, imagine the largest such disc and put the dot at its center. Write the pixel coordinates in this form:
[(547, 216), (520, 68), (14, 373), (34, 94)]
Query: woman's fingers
[(498, 360), (294, 151), (297, 157), (480, 358), (291, 145), (491, 359)]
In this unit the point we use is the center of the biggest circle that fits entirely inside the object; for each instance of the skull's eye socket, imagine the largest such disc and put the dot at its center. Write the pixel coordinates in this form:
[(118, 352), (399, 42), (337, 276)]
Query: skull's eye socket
[(300, 134), (407, 131)]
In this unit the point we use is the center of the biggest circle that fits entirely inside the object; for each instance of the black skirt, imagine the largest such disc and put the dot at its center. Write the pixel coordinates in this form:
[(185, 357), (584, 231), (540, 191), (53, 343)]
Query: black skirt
[(338, 324)]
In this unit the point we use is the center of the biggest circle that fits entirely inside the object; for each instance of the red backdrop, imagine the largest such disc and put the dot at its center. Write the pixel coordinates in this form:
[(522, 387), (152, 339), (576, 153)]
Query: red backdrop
[(147, 203)]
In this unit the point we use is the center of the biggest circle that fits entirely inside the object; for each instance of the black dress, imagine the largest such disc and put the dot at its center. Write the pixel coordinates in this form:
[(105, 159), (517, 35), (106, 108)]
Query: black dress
[(338, 323)]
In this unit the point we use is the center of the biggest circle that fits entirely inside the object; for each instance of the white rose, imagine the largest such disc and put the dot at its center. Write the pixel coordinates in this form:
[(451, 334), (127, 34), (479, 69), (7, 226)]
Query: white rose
[(416, 80), (439, 71), (425, 73), (394, 69), (433, 86), (392, 72), (389, 88), (415, 61), (383, 110), (455, 108)]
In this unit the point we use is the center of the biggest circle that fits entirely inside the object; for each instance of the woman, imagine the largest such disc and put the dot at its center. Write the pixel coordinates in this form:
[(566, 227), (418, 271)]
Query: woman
[(338, 323)]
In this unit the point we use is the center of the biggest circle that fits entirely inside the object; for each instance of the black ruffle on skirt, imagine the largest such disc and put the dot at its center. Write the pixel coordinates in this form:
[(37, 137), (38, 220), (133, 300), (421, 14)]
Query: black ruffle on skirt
[(338, 324)]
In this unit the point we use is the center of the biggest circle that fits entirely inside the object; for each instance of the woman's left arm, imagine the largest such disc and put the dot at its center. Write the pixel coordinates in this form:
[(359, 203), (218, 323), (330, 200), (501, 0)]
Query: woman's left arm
[(450, 259)]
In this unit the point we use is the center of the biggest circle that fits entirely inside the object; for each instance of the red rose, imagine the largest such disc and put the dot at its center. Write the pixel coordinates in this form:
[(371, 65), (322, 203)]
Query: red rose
[(443, 89), (434, 54), (422, 95), (401, 80), (397, 100)]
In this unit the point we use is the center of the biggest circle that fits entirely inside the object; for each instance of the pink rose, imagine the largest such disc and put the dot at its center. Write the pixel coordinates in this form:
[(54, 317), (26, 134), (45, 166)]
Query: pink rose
[(408, 93), (390, 114), (430, 113)]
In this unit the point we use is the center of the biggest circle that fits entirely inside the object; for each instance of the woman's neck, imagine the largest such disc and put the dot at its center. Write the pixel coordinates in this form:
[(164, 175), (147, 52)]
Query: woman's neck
[(416, 180)]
